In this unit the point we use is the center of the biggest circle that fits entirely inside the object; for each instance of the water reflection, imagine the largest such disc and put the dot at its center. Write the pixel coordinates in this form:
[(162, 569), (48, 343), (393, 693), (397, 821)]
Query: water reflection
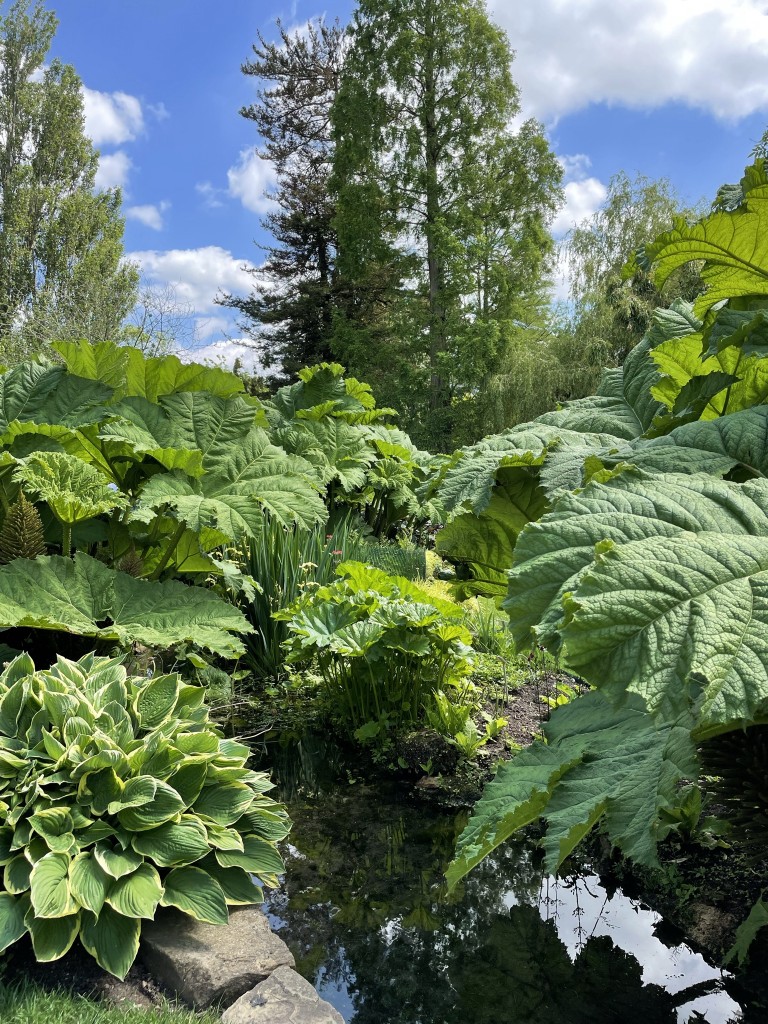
[(364, 910)]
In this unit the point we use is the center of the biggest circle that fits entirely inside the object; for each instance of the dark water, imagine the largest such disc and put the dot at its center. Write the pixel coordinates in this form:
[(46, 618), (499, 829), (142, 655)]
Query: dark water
[(363, 908)]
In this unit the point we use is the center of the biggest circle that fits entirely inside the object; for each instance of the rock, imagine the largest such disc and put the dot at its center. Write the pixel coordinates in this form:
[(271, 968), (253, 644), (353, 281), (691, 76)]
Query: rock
[(284, 998), (208, 964), (711, 928)]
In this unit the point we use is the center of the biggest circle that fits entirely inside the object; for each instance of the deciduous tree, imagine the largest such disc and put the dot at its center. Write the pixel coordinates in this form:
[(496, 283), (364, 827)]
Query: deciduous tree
[(61, 254), (442, 207)]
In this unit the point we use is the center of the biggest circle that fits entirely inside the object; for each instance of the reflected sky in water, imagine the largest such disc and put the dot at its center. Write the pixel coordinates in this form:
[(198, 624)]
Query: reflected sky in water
[(364, 910)]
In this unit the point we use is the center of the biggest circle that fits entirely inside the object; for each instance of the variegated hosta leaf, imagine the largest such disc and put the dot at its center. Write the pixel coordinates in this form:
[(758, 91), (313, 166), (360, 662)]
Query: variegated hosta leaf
[(106, 837), (74, 490), (618, 766)]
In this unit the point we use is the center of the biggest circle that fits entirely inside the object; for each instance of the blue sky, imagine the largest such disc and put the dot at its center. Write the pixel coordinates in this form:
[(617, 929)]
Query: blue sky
[(667, 88)]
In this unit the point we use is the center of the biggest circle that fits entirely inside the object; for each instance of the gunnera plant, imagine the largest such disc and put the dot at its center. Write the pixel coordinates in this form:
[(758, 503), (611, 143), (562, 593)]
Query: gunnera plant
[(738, 763), (118, 796)]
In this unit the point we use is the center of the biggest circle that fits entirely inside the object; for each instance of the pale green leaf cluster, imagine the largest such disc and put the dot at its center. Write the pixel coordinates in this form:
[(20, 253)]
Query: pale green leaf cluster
[(385, 647), (117, 796), (365, 464)]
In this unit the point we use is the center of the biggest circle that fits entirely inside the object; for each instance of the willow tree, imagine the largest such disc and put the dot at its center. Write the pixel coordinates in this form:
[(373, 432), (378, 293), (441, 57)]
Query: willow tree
[(61, 251), (442, 207)]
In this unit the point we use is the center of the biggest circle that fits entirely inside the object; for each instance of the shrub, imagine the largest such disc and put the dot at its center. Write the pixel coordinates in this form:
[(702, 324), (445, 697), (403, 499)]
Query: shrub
[(118, 796), (384, 647)]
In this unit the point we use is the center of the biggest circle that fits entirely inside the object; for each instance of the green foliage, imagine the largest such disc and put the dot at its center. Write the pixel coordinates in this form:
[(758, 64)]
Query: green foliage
[(286, 563), (647, 575), (366, 465), (612, 314), (441, 210), (85, 597), (149, 464), (62, 272), (384, 647), (291, 323), (26, 1003), (117, 797)]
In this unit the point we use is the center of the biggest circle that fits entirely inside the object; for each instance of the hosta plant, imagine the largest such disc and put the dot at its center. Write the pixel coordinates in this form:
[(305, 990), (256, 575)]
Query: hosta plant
[(117, 796), (384, 646)]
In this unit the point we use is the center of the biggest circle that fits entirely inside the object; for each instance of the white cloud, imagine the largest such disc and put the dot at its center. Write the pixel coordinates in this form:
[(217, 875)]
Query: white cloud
[(207, 326), (159, 111), (639, 53), (113, 170), (250, 179), (150, 215), (582, 199), (224, 352), (111, 118), (210, 194), (197, 275)]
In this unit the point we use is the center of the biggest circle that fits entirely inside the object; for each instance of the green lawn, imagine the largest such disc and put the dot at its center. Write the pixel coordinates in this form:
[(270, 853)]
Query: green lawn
[(28, 1004)]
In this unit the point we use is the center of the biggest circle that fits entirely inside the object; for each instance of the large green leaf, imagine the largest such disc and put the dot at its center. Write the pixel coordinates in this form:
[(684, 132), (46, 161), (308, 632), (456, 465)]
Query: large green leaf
[(45, 394), (233, 495), (733, 245), (678, 618), (85, 597), (483, 545), (336, 449), (599, 762), (552, 555), (739, 382), (739, 438), (112, 940), (74, 490), (197, 893), (130, 372)]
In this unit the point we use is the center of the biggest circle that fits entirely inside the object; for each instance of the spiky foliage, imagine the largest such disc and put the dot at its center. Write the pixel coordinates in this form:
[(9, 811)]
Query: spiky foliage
[(21, 535)]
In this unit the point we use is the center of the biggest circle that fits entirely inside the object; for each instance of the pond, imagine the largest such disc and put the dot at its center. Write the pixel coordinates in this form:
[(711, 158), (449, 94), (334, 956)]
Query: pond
[(363, 908)]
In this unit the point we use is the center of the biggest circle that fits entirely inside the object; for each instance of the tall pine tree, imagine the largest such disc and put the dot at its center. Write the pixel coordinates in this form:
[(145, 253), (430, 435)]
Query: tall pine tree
[(442, 209), (289, 314)]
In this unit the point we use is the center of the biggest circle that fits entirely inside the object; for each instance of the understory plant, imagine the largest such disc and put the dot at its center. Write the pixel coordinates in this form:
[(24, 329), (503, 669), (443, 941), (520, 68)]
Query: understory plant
[(384, 648), (285, 562), (117, 796), (630, 531)]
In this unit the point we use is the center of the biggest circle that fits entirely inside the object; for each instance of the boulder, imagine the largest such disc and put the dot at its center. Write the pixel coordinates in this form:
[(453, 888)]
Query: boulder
[(209, 964), (284, 998)]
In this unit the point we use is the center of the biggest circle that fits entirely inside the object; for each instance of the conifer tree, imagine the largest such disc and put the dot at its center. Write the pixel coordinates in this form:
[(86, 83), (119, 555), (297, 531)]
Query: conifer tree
[(289, 314), (442, 208)]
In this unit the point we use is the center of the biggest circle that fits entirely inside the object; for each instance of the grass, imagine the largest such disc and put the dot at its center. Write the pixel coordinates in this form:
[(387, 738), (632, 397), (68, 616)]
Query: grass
[(25, 1003)]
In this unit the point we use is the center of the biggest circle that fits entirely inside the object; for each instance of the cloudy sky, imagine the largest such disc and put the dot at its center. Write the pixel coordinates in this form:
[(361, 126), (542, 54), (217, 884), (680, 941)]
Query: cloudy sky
[(666, 88)]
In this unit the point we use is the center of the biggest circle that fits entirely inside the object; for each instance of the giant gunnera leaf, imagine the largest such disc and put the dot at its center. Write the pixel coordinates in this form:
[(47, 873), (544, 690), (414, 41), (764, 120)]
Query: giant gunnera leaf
[(85, 597), (599, 763), (552, 555)]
